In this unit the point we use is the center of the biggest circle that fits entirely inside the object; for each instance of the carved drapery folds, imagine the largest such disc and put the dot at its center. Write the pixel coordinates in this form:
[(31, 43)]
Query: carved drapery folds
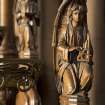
[(72, 53)]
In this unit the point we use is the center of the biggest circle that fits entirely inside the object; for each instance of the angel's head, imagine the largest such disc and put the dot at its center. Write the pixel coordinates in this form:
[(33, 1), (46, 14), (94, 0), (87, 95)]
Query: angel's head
[(77, 12)]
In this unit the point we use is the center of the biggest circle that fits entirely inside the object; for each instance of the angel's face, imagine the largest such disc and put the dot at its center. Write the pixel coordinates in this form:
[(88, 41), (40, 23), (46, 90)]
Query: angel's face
[(76, 16)]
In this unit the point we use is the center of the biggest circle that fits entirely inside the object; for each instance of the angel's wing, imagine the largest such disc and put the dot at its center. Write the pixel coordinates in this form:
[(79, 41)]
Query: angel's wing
[(59, 27), (59, 16)]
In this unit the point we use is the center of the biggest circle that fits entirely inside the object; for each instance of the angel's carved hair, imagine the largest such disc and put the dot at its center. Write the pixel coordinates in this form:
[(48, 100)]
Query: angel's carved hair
[(76, 6)]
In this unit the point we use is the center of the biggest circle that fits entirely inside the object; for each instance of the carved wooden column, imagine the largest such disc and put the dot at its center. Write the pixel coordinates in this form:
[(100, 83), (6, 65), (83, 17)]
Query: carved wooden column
[(3, 33), (3, 23)]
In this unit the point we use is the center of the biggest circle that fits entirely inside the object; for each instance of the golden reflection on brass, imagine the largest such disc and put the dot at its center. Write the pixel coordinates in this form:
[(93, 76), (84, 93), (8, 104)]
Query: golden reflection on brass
[(73, 53), (28, 98), (3, 12)]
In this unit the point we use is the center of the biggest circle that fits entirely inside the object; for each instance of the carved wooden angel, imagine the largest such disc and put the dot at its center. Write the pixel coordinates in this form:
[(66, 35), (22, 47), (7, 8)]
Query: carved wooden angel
[(72, 51)]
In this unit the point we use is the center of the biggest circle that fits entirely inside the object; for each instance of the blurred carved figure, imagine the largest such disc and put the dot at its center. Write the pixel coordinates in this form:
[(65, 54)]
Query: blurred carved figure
[(19, 74), (26, 22), (72, 54)]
